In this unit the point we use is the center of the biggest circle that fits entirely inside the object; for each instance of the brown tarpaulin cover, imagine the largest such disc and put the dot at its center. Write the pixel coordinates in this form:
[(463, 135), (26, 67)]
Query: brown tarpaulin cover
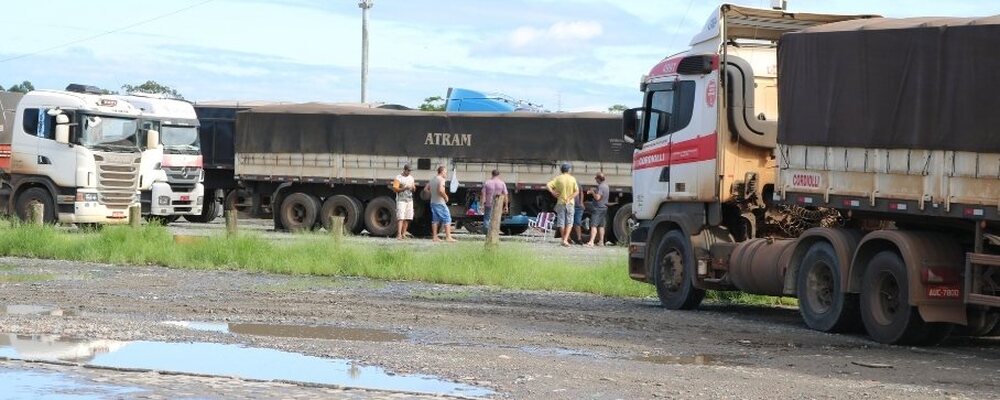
[(489, 137), (920, 83)]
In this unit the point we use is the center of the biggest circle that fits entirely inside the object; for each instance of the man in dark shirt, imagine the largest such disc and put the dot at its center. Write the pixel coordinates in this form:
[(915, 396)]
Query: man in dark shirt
[(599, 217)]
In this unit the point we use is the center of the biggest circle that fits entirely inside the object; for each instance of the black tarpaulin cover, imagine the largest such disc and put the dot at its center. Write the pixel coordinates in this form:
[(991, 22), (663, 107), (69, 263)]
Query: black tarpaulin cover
[(496, 137), (920, 83)]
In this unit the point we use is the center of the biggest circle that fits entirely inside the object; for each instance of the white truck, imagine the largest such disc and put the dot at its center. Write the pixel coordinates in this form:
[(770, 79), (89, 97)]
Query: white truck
[(170, 180), (873, 199), (76, 152)]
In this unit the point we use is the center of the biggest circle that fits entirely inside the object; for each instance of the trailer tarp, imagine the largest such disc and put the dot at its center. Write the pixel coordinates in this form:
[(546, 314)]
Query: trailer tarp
[(920, 83), (499, 137)]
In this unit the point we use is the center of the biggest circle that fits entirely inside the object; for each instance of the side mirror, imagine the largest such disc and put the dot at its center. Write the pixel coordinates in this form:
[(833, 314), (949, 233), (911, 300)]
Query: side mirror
[(630, 124), (62, 129), (152, 139)]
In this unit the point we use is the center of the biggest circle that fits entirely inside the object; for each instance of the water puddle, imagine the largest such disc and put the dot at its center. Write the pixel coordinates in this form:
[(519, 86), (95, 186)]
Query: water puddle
[(19, 384), (34, 309), (698, 359), (294, 331), (224, 360)]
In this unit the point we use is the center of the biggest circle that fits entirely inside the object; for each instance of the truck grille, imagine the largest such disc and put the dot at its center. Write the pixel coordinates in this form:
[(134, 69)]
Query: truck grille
[(182, 179), (117, 179)]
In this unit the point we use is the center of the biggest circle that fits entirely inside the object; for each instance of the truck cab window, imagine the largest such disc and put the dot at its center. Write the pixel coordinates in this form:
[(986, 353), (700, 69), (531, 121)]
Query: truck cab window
[(660, 105), (675, 104), (38, 123)]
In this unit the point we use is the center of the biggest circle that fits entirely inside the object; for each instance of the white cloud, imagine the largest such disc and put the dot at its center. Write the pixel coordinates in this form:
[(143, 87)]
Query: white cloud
[(562, 32)]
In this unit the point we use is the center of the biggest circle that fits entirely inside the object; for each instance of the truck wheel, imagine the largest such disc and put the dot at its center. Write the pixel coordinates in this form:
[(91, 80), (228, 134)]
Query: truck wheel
[(32, 196), (299, 211), (981, 322), (344, 206), (380, 216), (822, 302), (209, 212), (624, 222), (673, 268), (885, 308)]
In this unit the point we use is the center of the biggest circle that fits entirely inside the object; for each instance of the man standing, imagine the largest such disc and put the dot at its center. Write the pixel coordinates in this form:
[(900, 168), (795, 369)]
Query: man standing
[(599, 217), (404, 186), (578, 215), (491, 188), (440, 216), (564, 188)]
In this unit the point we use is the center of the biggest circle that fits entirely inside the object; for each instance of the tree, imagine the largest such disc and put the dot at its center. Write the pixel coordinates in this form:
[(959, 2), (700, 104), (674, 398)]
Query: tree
[(433, 103), (23, 87), (152, 87), (1, 88), (617, 108)]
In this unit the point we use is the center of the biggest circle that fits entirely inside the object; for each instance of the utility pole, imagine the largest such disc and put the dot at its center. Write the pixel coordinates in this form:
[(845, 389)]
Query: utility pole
[(365, 6)]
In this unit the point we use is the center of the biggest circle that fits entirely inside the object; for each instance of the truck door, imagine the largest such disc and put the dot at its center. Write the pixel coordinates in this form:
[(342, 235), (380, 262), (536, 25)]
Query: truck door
[(54, 160), (651, 164)]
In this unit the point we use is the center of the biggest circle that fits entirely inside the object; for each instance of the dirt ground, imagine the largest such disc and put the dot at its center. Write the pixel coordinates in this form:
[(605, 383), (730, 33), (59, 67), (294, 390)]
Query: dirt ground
[(519, 344)]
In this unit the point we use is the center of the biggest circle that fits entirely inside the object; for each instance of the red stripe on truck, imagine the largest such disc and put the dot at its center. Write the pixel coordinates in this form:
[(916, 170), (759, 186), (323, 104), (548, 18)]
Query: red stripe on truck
[(701, 148)]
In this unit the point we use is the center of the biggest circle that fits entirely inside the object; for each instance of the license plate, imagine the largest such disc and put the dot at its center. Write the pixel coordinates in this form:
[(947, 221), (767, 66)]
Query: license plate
[(946, 292), (118, 214), (185, 198)]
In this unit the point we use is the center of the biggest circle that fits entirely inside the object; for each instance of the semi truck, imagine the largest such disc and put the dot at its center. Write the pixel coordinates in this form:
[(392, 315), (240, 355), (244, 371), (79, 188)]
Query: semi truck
[(76, 152), (851, 161), (324, 160), (170, 179)]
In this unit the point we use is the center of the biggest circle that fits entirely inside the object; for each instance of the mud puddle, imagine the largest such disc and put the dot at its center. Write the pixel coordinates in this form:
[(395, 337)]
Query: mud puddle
[(224, 360), (18, 384), (294, 331), (35, 309)]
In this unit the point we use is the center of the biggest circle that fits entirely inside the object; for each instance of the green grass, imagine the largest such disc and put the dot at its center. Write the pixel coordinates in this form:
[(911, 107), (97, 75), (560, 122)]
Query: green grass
[(511, 266), (23, 278)]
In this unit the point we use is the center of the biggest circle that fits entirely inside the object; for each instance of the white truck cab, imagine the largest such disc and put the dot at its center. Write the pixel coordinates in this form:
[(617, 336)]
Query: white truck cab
[(75, 151), (171, 177)]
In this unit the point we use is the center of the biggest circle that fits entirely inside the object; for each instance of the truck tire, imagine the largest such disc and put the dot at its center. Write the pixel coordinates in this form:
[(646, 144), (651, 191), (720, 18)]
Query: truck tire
[(672, 270), (32, 196), (885, 308), (380, 216), (981, 322), (344, 206), (622, 223), (822, 302), (209, 212), (299, 211)]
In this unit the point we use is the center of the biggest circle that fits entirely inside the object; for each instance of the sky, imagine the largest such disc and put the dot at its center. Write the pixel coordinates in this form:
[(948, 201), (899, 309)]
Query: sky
[(568, 55)]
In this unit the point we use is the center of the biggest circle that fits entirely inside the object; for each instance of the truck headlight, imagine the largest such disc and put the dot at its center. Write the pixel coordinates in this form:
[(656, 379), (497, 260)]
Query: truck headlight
[(86, 196), (201, 200), (163, 200)]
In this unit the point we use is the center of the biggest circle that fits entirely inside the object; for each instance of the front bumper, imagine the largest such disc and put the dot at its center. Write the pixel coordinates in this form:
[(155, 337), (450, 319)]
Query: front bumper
[(92, 212), (165, 201)]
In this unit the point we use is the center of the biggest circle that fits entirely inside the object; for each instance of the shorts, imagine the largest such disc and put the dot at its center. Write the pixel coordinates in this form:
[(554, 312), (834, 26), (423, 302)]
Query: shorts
[(404, 210), (564, 215), (578, 216), (440, 214), (599, 218)]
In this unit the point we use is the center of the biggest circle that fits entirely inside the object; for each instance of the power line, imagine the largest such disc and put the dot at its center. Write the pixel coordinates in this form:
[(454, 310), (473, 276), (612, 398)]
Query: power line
[(673, 39), (102, 34)]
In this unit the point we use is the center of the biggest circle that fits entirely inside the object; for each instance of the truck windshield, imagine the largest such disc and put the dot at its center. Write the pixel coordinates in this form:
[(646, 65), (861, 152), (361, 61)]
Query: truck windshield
[(179, 138), (109, 133)]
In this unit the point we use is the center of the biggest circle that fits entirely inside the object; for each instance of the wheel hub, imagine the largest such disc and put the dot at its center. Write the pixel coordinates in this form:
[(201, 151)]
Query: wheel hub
[(820, 289), (672, 268)]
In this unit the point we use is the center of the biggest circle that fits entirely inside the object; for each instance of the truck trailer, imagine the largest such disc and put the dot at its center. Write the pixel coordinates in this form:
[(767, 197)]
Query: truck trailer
[(850, 161), (322, 160), (76, 152)]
